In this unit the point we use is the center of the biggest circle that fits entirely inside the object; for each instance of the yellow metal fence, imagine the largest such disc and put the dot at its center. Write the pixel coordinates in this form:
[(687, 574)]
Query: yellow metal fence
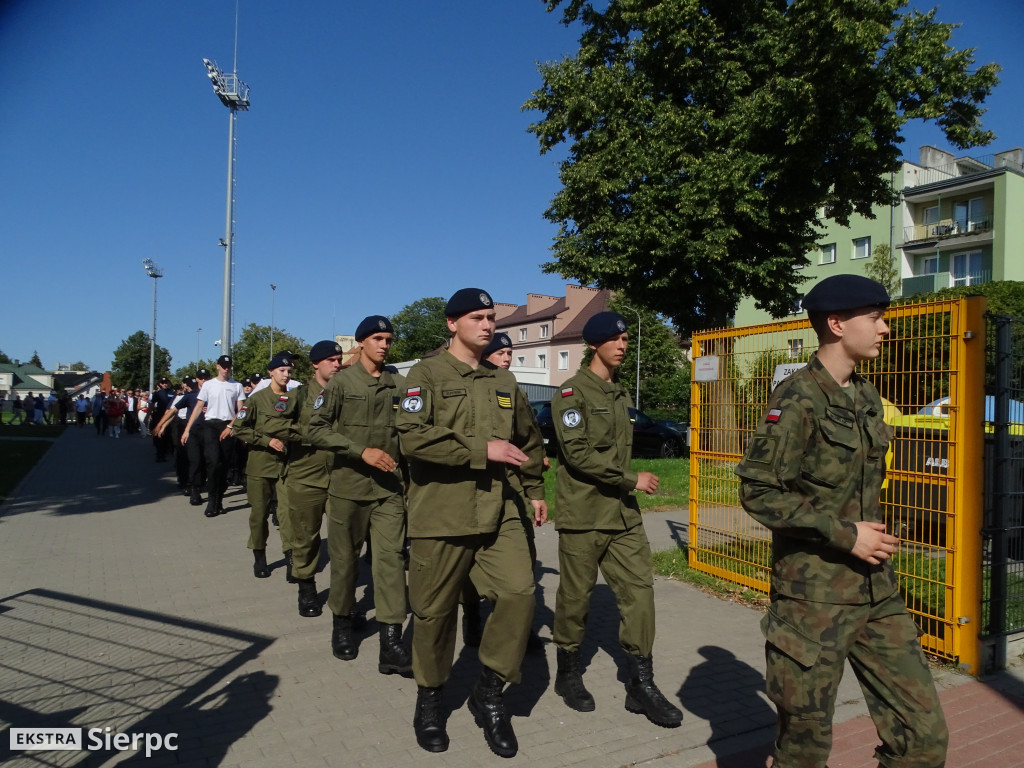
[(931, 378)]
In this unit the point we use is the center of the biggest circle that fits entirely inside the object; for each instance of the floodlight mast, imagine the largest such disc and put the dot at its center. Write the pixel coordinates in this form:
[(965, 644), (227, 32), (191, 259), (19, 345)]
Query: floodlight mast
[(154, 271), (233, 94)]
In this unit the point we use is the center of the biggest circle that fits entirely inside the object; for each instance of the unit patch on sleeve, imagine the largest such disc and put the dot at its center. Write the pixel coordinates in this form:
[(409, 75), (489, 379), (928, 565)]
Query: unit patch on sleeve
[(504, 399), (572, 418), (319, 400), (413, 403), (241, 413)]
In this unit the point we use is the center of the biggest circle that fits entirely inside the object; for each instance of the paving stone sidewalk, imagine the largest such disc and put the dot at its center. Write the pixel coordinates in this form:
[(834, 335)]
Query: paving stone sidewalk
[(124, 607)]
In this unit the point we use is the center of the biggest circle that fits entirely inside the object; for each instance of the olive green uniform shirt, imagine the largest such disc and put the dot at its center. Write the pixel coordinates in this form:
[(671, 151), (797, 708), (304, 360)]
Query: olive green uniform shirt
[(263, 417), (447, 415), (306, 464), (357, 411), (595, 445), (813, 469)]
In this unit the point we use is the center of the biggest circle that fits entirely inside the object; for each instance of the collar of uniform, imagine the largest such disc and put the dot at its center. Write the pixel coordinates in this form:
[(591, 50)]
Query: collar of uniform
[(837, 396), (607, 386), (465, 370)]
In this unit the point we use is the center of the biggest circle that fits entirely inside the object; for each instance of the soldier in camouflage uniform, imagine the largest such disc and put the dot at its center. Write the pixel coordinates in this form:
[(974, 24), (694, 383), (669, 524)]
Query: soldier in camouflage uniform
[(599, 524), (466, 430), (812, 474)]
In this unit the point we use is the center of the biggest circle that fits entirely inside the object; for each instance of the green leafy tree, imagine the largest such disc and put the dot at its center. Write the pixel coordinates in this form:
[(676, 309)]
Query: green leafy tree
[(705, 137), (882, 268), (190, 368), (251, 353), (4, 359), (130, 367), (420, 328), (35, 359), (79, 366)]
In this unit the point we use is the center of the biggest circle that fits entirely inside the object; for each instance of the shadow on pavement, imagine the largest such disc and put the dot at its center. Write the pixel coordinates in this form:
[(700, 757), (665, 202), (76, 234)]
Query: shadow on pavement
[(75, 662)]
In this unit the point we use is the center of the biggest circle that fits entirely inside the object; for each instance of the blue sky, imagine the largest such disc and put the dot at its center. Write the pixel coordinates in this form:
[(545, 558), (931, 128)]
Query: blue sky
[(384, 159)]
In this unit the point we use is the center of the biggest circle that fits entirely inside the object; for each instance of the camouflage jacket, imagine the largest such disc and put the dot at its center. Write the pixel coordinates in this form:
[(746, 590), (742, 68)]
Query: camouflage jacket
[(595, 444), (449, 412), (812, 470)]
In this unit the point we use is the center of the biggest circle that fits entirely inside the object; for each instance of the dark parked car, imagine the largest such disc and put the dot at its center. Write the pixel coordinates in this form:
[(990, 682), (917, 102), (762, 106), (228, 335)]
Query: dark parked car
[(650, 438)]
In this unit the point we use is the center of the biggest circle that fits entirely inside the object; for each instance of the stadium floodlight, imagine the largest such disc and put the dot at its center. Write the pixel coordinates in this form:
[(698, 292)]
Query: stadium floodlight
[(233, 94), (154, 271)]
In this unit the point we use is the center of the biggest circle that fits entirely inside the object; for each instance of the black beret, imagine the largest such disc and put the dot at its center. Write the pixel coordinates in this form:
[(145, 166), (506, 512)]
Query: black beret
[(468, 300), (224, 361), (500, 341), (280, 360), (842, 292), (324, 349), (603, 326), (373, 324)]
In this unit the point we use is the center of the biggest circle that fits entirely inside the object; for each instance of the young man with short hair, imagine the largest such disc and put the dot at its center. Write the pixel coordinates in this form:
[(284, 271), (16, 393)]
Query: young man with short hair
[(466, 429), (355, 419), (812, 474), (599, 524)]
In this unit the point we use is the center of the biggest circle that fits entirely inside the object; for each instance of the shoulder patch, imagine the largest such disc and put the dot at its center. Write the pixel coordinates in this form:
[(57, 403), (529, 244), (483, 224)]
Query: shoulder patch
[(241, 413), (773, 416), (572, 418), (567, 392), (413, 403), (319, 400)]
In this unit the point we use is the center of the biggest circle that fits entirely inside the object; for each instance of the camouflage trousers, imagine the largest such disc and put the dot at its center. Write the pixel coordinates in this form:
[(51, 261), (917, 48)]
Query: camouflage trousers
[(806, 649)]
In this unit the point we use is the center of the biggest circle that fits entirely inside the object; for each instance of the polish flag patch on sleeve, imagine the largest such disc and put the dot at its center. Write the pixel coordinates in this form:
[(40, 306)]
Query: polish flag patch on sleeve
[(773, 415), (567, 392), (413, 392)]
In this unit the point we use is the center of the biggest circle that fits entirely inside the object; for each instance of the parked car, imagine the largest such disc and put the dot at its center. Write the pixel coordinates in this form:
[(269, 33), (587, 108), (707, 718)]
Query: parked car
[(650, 438)]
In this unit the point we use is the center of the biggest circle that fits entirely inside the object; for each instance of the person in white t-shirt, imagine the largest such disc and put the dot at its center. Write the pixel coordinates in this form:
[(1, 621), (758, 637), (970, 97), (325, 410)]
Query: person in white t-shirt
[(220, 398)]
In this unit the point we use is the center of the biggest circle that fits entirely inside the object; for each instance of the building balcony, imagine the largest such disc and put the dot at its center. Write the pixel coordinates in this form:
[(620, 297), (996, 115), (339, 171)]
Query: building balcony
[(937, 281), (946, 229)]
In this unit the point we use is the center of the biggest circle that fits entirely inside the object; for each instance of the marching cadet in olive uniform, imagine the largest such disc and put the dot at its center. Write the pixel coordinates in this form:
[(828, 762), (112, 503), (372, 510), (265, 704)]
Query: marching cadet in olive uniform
[(599, 524), (466, 429), (813, 474), (355, 419), (263, 424), (307, 473), (499, 354)]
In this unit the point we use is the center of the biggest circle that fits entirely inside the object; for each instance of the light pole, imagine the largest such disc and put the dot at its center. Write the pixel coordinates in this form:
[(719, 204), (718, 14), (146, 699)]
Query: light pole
[(156, 273), (273, 293), (198, 358), (626, 306), (234, 94)]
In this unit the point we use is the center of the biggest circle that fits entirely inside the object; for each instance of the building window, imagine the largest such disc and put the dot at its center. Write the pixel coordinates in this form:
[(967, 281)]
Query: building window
[(798, 306), (861, 247), (521, 361), (929, 265), (796, 348), (544, 331), (522, 334), (542, 360), (828, 254), (969, 215), (563, 360), (967, 268)]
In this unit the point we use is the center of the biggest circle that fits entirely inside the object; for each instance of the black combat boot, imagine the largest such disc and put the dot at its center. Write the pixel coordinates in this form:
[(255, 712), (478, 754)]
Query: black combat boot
[(343, 641), (569, 682), (212, 506), (643, 696), (428, 722), (259, 564), (488, 708), (288, 567), (472, 628), (195, 497), (395, 659), (309, 606)]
